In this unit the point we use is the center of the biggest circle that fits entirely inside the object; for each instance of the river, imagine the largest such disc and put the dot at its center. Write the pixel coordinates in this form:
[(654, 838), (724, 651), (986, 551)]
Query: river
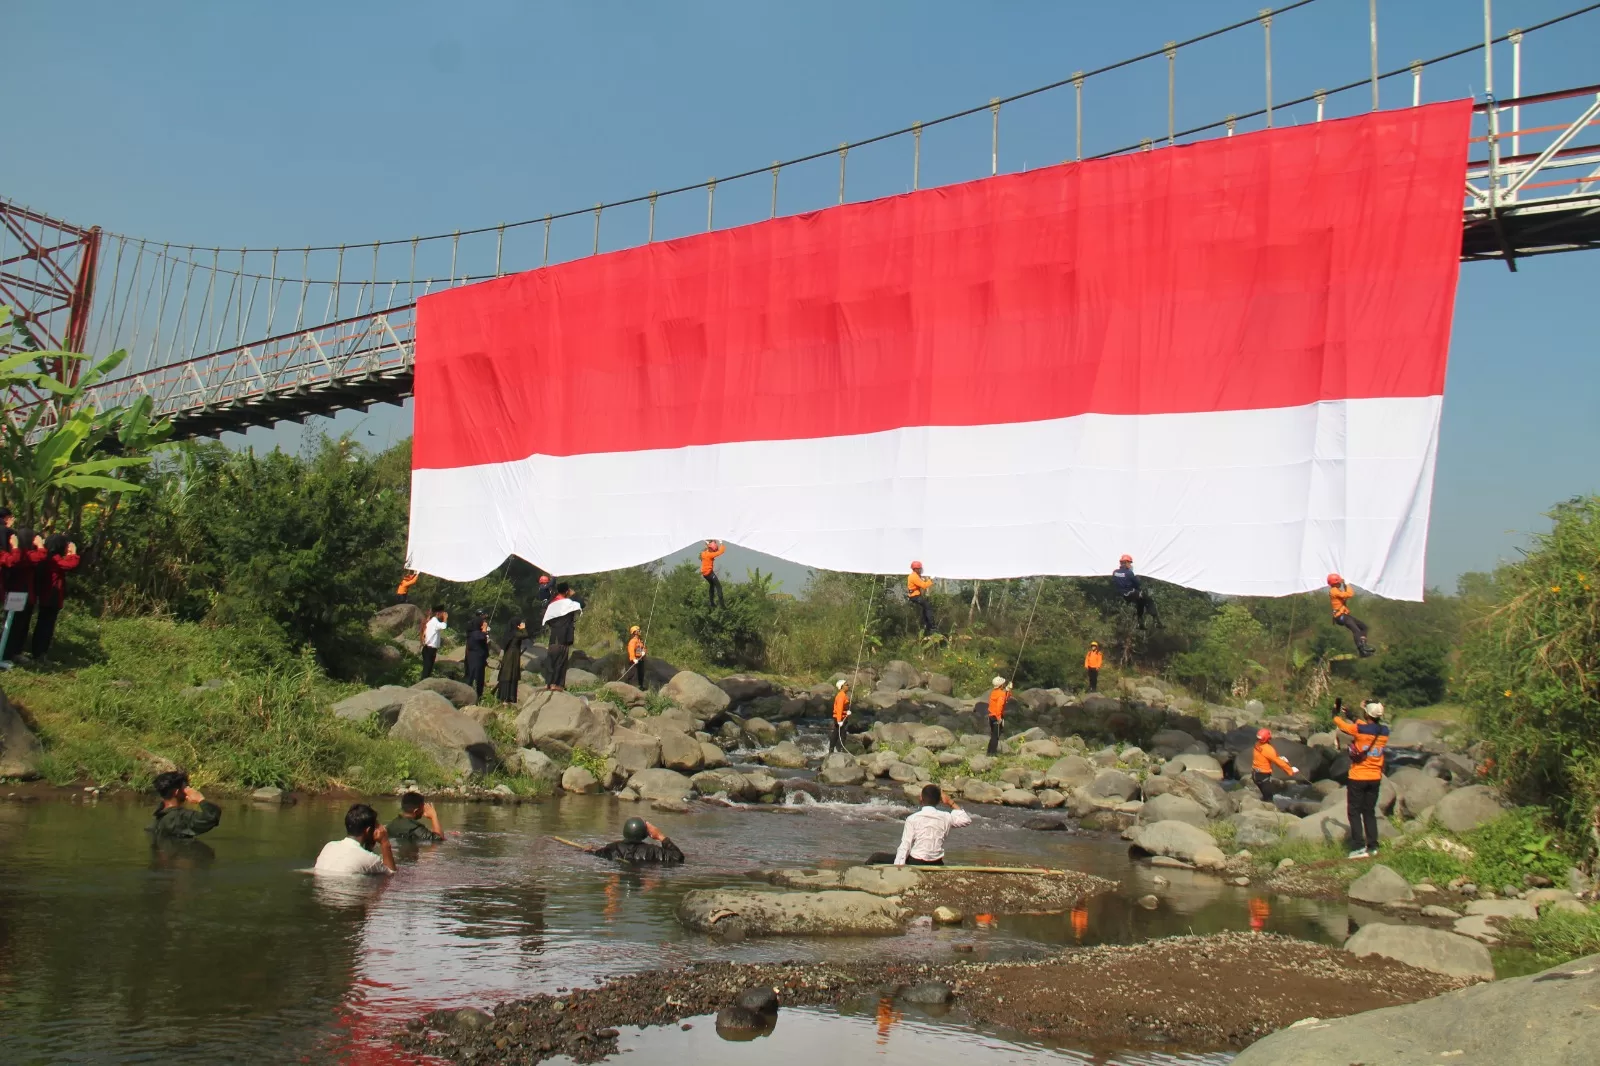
[(225, 950)]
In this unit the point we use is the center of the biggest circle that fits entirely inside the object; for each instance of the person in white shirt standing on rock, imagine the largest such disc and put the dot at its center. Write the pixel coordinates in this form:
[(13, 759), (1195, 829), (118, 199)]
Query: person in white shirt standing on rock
[(365, 848), (922, 842), (433, 639)]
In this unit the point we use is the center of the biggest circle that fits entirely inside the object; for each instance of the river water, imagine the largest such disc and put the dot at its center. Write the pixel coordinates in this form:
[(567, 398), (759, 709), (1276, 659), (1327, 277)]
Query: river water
[(225, 950)]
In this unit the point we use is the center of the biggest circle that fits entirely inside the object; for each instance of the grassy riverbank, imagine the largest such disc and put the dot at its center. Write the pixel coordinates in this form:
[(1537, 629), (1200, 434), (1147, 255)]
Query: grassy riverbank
[(126, 698)]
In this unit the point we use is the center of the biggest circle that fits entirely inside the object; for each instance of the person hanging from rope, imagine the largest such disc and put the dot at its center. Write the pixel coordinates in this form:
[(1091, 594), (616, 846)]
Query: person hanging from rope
[(999, 696), (841, 711), (917, 591), (1091, 665), (402, 594), (708, 570), (1262, 759), (1339, 595), (542, 595), (562, 618), (636, 652), (1127, 583)]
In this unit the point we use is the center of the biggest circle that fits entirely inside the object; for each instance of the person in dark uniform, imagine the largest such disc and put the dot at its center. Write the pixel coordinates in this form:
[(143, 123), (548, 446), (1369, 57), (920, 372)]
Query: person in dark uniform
[(477, 658), (1127, 584), (417, 822), (505, 688), (641, 842), (562, 618), (184, 814)]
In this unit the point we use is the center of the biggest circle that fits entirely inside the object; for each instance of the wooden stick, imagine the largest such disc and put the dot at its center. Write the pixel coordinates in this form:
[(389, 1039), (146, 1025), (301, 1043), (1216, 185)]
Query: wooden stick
[(987, 870), (570, 843)]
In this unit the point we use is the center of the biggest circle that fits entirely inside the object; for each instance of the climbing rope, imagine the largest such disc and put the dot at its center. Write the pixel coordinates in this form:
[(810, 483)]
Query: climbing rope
[(1037, 589)]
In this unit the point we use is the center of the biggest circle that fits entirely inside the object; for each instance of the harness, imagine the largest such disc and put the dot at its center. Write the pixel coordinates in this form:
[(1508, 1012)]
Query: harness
[(1360, 754)]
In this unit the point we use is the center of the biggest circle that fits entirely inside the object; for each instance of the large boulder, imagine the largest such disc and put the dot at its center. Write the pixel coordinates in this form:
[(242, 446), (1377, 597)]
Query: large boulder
[(1426, 949), (759, 913), (784, 756), (1260, 829), (975, 791), (1418, 789), (1218, 802), (712, 757), (841, 769), (1204, 765), (19, 748), (444, 734), (1422, 734), (1325, 826), (695, 694), (580, 781), (1113, 784), (1506, 1022), (634, 750), (537, 765), (673, 720), (898, 675), (1172, 807), (1179, 840), (661, 784), (461, 695), (759, 732), (1069, 772), (681, 752), (384, 702), (932, 737), (1380, 885), (403, 619), (565, 719), (1467, 808), (881, 880), (1040, 749), (1170, 743), (742, 689)]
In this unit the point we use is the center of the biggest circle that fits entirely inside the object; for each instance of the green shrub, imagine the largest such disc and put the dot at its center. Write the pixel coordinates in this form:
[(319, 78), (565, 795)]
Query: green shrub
[(1423, 864), (1559, 935), (590, 761), (1521, 842)]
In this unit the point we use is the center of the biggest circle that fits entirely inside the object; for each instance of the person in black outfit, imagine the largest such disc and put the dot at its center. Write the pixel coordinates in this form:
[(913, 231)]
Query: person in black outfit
[(562, 618), (1127, 583), (477, 657), (641, 842), (505, 688)]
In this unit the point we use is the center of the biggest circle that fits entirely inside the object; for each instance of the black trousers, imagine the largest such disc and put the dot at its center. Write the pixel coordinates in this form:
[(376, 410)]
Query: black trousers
[(476, 668), (1143, 604), (995, 725), (714, 590), (1094, 677), (1361, 809), (18, 640), (634, 674), (836, 737), (926, 609), (556, 671), (1264, 785), (44, 629), (428, 657), (1356, 626)]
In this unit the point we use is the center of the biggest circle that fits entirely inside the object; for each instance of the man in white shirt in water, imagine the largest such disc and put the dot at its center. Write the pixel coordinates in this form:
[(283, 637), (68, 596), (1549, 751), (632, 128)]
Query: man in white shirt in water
[(922, 842), (364, 850)]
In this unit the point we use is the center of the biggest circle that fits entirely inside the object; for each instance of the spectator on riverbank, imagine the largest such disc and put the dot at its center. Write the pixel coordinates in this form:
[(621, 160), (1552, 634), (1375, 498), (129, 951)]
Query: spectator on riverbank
[(24, 553), (562, 618), (363, 850), (417, 822), (184, 813), (477, 657), (50, 589), (433, 638), (505, 686), (1091, 665)]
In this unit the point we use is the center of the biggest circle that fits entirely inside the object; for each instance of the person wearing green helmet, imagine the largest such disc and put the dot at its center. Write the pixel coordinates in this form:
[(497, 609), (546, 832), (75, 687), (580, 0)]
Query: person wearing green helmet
[(641, 842)]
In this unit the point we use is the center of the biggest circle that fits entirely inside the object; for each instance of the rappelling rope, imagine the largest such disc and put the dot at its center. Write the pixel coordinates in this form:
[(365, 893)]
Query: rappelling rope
[(861, 649), (1037, 589)]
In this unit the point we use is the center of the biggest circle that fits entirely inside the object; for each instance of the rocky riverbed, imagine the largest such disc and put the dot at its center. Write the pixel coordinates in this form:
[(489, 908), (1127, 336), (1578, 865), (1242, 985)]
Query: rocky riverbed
[(1215, 992)]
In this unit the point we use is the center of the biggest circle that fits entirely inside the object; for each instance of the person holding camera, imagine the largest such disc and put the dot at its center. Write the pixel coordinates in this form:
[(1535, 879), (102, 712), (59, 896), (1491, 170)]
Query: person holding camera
[(1369, 736)]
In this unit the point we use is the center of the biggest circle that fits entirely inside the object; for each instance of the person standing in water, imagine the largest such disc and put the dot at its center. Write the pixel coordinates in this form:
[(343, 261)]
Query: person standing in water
[(364, 849), (477, 658), (184, 813), (841, 711), (708, 570), (641, 842), (922, 839), (998, 697), (1339, 595), (417, 823), (1091, 665), (562, 618), (505, 686)]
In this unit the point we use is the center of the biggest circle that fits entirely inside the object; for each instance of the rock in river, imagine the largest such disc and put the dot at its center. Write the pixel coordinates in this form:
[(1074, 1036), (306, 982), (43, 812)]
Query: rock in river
[(1380, 885), (830, 913), (1424, 948), (19, 748)]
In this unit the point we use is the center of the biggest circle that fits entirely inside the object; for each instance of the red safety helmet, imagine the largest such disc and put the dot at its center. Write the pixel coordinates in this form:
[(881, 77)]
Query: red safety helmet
[(916, 564), (544, 579), (1263, 734), (1125, 560), (1335, 579)]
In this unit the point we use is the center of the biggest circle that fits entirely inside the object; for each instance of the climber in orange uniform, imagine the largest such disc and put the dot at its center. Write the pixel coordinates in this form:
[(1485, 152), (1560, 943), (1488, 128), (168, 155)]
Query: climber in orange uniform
[(708, 570), (841, 711), (1091, 665), (1339, 596), (636, 650), (917, 588), (1262, 759), (403, 593), (998, 697), (1369, 736)]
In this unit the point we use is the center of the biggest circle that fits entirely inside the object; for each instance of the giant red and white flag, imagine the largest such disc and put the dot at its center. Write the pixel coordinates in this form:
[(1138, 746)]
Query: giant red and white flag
[(1225, 359)]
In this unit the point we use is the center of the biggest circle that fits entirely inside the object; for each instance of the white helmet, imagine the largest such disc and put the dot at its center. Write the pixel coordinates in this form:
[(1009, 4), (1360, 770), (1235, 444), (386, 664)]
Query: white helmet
[(839, 683), (1374, 710), (999, 681)]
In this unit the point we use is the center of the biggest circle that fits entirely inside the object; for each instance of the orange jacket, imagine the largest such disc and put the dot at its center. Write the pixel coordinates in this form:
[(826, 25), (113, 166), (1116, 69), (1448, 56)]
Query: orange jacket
[(1367, 741), (708, 558), (1093, 660), (1339, 596), (1265, 757), (841, 705), (997, 702), (635, 648), (405, 584), (916, 584)]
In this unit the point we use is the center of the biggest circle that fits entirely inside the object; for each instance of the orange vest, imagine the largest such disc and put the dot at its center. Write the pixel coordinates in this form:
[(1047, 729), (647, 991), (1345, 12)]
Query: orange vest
[(997, 702), (1093, 660), (406, 583), (916, 584), (1265, 757), (708, 559), (1339, 596), (1366, 748), (635, 648), (841, 704)]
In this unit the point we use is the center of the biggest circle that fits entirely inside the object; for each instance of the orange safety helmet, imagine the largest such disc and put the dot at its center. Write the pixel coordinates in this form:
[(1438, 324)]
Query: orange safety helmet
[(544, 579), (1335, 579), (1263, 734), (1125, 560), (916, 564)]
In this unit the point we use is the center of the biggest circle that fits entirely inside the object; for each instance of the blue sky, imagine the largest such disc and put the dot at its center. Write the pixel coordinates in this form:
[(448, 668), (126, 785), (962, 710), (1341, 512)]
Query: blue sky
[(295, 123)]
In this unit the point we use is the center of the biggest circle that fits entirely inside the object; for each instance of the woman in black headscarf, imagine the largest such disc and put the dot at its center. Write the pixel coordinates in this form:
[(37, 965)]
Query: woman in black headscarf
[(477, 653), (511, 661)]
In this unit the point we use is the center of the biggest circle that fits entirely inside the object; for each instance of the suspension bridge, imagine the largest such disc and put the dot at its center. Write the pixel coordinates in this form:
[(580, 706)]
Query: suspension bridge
[(223, 339)]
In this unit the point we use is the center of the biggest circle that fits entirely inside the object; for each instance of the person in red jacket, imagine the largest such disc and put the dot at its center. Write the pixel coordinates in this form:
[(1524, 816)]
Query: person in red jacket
[(24, 552), (50, 588)]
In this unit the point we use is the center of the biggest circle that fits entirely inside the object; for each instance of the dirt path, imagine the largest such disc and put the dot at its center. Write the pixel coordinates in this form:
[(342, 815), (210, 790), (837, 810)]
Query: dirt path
[(1195, 993)]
